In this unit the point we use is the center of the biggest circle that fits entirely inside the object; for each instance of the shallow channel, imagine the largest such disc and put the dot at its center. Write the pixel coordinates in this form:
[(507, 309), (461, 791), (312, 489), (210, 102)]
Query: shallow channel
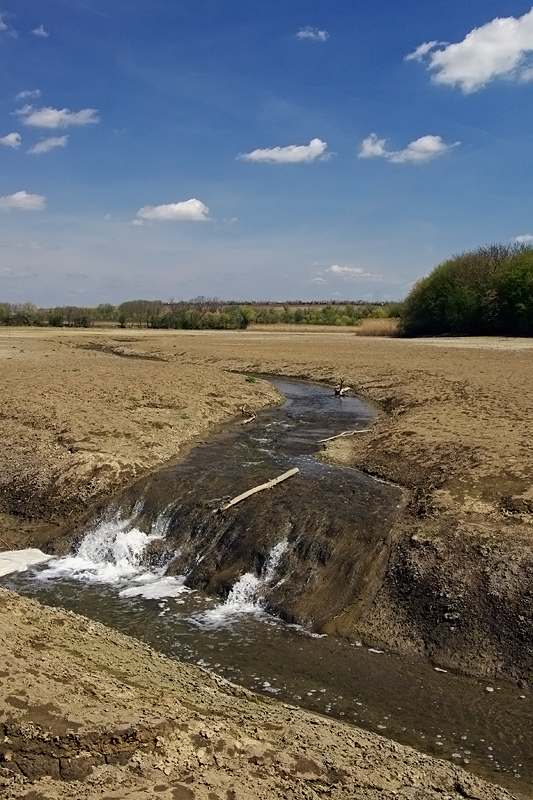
[(122, 575)]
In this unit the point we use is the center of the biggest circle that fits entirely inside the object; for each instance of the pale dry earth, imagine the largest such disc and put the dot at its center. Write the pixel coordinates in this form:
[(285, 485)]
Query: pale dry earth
[(95, 410), (85, 413)]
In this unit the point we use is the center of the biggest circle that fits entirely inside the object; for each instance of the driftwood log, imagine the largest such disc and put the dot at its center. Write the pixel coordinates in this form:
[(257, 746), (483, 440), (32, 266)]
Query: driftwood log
[(341, 389), (250, 492), (338, 436), (250, 418)]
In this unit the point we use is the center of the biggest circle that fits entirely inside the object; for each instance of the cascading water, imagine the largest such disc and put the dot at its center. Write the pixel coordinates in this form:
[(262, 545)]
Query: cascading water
[(304, 550), (245, 596), (113, 553)]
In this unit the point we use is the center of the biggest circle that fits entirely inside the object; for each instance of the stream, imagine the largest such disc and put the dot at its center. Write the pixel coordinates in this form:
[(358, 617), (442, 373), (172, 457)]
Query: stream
[(246, 593)]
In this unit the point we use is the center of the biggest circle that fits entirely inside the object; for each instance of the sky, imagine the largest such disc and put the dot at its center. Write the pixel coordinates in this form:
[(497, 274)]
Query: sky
[(289, 150)]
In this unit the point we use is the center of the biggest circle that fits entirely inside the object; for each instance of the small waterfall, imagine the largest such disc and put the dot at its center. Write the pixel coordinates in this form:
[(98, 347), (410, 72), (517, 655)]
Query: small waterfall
[(245, 596), (273, 560), (113, 553)]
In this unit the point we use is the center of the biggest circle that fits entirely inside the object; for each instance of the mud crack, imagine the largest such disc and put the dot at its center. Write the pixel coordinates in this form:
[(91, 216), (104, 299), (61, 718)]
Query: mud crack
[(71, 757)]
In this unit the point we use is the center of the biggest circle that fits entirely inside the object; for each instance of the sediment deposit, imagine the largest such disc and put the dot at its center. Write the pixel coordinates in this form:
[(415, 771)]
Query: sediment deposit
[(86, 413)]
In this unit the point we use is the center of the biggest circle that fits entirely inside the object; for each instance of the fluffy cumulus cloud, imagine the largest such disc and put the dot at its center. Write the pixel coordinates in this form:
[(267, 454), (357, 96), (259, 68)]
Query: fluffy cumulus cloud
[(48, 144), (186, 211), (292, 154), (348, 273), (40, 31), (57, 118), (22, 201), (525, 238), (11, 140), (418, 152), (313, 34), (500, 49)]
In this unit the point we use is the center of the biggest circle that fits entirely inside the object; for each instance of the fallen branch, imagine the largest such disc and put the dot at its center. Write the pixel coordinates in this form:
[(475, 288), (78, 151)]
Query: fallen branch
[(341, 389), (5, 543), (251, 418), (256, 489), (338, 436)]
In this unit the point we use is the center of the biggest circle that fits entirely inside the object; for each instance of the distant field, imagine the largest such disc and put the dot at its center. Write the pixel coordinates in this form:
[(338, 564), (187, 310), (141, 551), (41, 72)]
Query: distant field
[(368, 327)]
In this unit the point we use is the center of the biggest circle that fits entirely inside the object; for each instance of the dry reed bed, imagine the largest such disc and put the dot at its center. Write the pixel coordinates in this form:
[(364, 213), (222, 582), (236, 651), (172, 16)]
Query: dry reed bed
[(368, 327)]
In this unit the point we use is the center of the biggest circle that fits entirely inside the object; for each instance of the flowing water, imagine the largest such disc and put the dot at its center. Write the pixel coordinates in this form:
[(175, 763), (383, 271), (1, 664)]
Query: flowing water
[(137, 568)]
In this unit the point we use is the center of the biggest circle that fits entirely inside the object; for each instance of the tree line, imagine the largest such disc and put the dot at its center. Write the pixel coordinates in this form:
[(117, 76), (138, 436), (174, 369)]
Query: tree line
[(199, 313), (487, 291)]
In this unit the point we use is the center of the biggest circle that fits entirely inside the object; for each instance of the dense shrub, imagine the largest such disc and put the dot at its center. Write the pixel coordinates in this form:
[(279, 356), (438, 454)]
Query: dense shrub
[(487, 291)]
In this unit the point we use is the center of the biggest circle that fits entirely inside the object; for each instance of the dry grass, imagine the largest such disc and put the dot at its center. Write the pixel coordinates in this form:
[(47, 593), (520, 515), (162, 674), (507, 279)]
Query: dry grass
[(378, 327), (368, 327), (282, 327)]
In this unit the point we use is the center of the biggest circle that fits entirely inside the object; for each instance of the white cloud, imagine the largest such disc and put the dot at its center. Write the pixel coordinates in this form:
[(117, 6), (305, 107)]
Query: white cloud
[(422, 50), (500, 49), (4, 27), (314, 34), (22, 201), (418, 152), (57, 118), (349, 273), (48, 144), (526, 238), (292, 154), (40, 31), (188, 210), (28, 93), (372, 147), (11, 140)]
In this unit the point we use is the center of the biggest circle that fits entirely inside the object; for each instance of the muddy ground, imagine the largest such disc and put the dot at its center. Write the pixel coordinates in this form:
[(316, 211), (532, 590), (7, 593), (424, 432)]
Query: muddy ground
[(85, 413), (87, 713)]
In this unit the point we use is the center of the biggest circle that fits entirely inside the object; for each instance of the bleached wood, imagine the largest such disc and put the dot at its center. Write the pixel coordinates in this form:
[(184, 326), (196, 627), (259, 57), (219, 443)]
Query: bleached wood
[(338, 436), (260, 488)]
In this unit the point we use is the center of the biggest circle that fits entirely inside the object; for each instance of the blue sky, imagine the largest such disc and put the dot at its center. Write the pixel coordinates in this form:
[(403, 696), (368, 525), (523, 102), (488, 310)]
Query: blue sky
[(293, 149)]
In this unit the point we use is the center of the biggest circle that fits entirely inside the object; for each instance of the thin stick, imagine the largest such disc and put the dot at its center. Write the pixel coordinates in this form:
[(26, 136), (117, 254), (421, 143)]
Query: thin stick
[(5, 543), (344, 433), (250, 419), (256, 489), (341, 389)]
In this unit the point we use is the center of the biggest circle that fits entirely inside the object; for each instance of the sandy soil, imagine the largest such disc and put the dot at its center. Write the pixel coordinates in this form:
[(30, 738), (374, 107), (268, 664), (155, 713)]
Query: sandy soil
[(88, 713), (85, 413)]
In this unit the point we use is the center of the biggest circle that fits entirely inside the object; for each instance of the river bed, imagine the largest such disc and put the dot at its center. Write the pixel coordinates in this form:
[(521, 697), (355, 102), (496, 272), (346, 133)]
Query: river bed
[(483, 726)]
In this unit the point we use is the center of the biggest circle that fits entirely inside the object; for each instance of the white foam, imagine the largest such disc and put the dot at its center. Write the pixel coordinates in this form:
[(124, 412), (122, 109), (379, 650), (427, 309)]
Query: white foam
[(20, 560), (158, 587), (241, 600), (111, 553), (245, 595)]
